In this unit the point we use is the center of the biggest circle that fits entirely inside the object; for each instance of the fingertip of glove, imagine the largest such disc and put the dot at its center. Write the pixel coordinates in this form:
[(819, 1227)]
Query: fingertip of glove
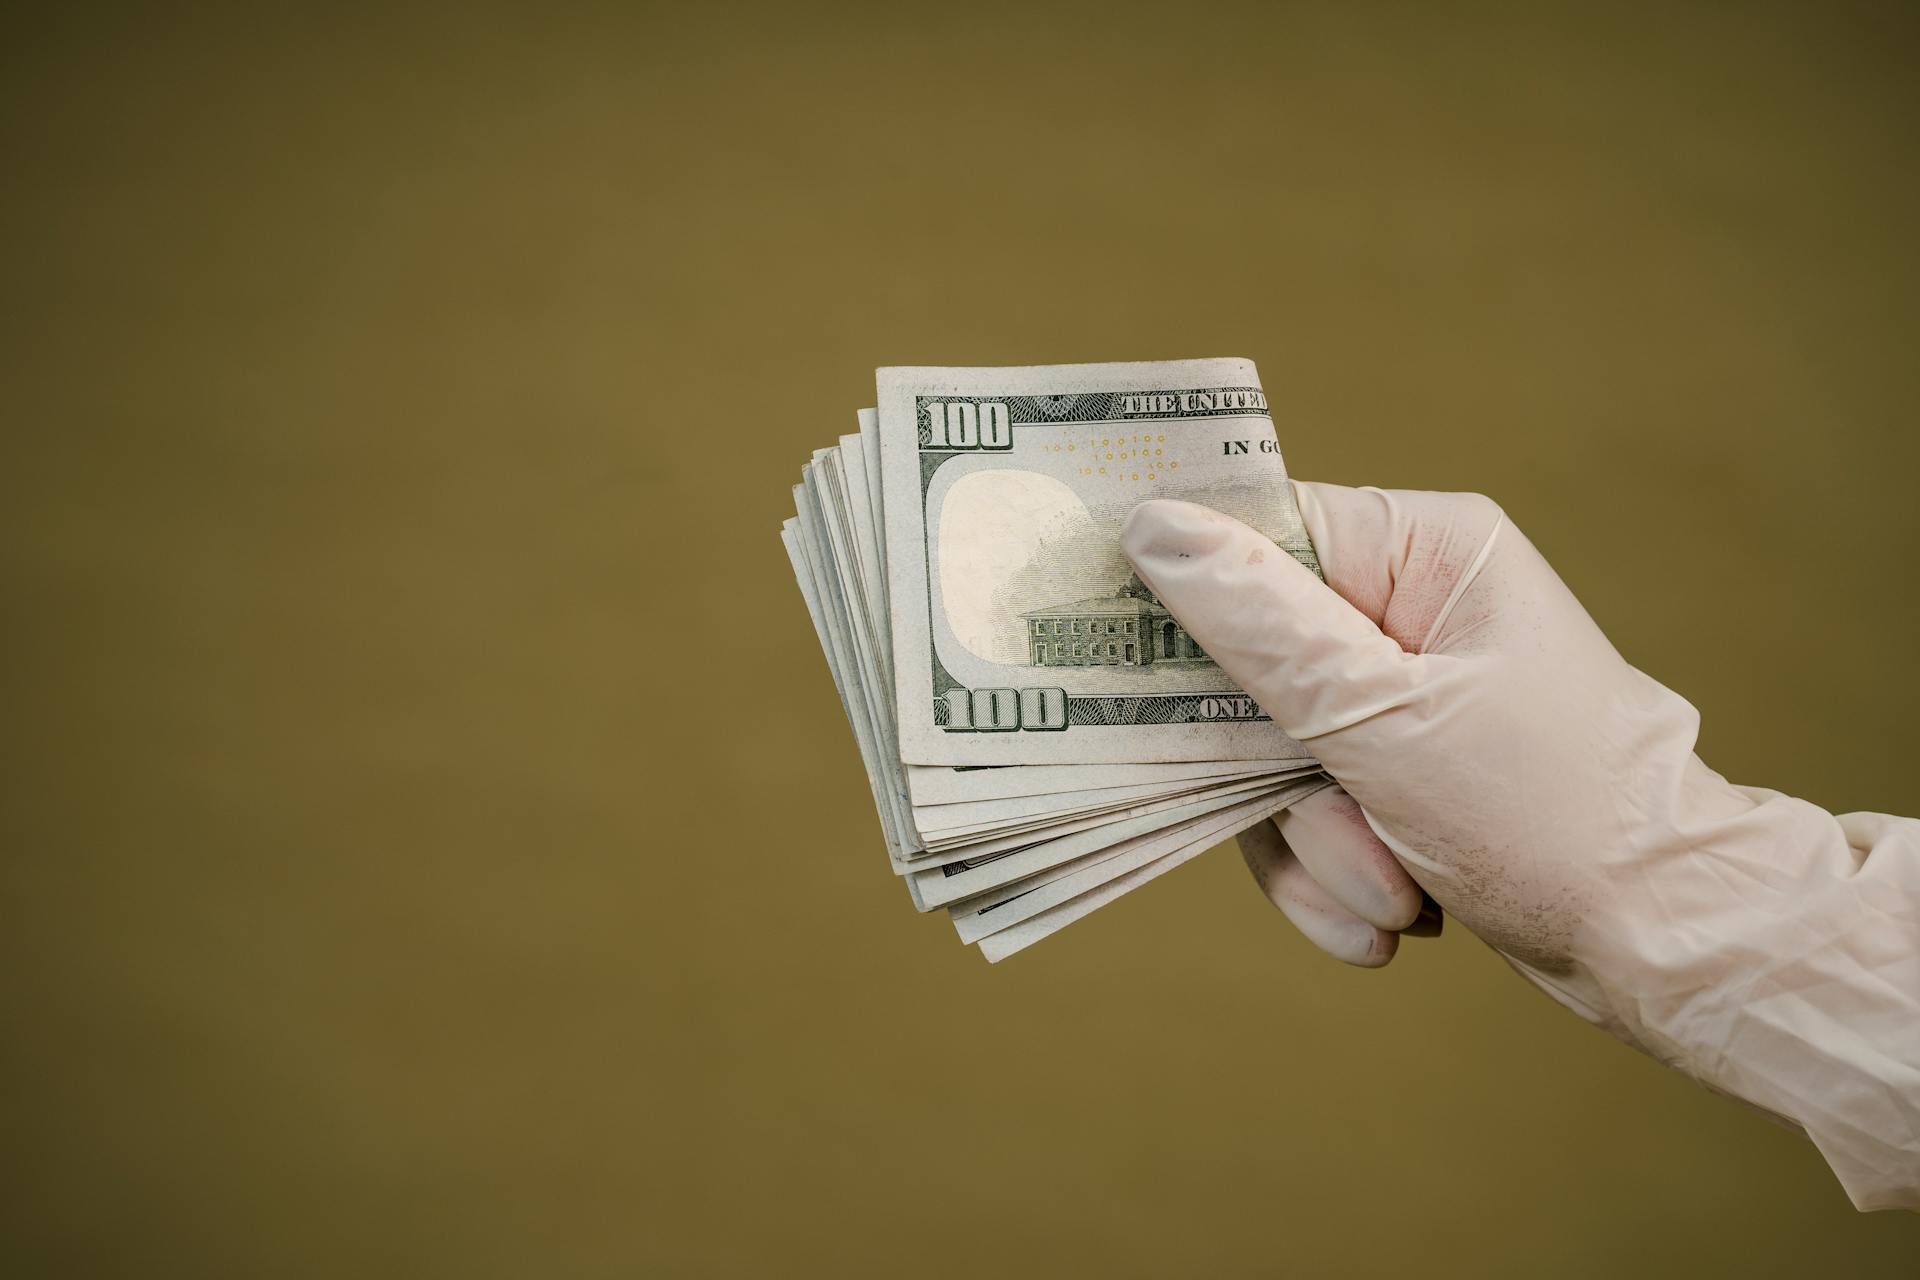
[(1163, 529), (1379, 950)]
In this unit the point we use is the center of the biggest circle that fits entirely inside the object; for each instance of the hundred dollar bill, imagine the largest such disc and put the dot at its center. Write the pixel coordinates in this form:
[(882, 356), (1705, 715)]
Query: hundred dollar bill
[(1020, 635), (996, 910)]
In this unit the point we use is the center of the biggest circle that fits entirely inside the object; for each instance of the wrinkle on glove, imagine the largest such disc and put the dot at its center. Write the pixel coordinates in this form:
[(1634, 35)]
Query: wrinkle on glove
[(1547, 795)]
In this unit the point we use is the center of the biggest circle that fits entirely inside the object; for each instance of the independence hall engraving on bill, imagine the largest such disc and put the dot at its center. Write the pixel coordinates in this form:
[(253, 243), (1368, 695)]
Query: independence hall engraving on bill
[(1130, 628)]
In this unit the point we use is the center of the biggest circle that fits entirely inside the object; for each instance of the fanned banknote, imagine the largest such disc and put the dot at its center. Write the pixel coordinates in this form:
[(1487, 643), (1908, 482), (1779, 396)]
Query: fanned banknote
[(1039, 732)]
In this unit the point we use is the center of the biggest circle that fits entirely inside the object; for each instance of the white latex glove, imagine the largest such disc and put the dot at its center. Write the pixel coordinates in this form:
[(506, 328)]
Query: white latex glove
[(1509, 762)]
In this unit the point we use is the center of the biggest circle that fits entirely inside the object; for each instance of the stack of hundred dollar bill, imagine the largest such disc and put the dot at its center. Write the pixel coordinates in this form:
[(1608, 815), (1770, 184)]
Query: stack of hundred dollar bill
[(1040, 733)]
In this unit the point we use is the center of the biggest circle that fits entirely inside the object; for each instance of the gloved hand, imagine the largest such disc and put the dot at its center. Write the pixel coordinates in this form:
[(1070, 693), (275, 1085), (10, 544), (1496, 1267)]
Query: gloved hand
[(1495, 751)]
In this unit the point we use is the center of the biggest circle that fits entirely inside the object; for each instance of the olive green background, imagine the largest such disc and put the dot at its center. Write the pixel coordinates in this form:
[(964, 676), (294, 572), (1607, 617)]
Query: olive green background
[(432, 844)]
